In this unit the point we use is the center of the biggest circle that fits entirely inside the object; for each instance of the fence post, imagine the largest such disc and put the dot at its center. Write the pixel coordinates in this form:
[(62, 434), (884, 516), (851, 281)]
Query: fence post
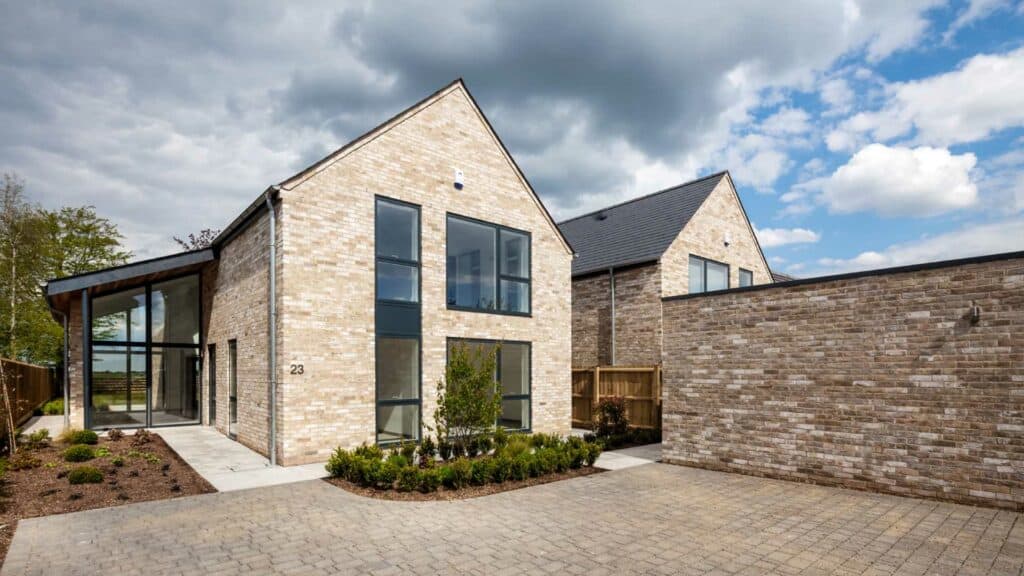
[(597, 394)]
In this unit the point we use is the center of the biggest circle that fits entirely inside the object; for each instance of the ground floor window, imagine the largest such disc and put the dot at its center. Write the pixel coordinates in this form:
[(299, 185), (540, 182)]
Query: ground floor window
[(512, 370), (143, 362)]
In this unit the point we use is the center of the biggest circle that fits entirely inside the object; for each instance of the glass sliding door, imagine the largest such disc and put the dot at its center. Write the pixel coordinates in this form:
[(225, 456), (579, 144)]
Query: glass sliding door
[(144, 351)]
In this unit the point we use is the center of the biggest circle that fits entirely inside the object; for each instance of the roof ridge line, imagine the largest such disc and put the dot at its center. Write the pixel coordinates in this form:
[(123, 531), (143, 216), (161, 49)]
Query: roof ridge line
[(645, 196)]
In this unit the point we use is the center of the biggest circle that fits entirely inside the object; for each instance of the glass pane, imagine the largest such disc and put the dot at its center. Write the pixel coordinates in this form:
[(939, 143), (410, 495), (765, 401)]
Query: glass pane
[(696, 275), (397, 282), (515, 369), (175, 385), (118, 390), (400, 422), (397, 231), (718, 276), (471, 266), (746, 278), (120, 316), (232, 387), (176, 311), (398, 368), (515, 296), (515, 254), (515, 414)]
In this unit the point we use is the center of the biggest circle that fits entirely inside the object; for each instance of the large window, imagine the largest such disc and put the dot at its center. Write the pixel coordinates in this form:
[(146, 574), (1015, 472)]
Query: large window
[(144, 355), (707, 275), (398, 321), (746, 278), (512, 371), (488, 267)]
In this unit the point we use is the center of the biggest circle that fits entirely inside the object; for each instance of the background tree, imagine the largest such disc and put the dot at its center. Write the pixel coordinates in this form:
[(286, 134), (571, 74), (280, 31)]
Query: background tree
[(21, 265), (203, 240)]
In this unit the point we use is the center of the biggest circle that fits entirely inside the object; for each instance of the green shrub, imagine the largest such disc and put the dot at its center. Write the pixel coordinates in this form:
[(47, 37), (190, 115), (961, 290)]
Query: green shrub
[(117, 461), (517, 444), (115, 434), (102, 452), (468, 399), (446, 475), (428, 449), (501, 469), (546, 460), (521, 467), (369, 451), (499, 438), (339, 462), (593, 451), (480, 471), (462, 469), (430, 480), (444, 449), (611, 416), (76, 436), (78, 453), (409, 479), (386, 474), (85, 475), (400, 460), (408, 450), (37, 439), (54, 407)]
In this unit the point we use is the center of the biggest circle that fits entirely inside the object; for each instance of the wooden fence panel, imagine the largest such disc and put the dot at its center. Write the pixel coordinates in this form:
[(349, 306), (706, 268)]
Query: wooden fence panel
[(28, 387), (640, 386)]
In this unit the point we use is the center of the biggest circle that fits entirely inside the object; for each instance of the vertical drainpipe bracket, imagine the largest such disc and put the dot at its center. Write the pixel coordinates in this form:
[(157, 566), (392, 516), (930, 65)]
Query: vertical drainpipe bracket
[(611, 275), (272, 328)]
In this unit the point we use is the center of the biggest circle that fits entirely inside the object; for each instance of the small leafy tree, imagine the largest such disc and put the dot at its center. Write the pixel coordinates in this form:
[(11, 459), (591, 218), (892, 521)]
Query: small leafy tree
[(204, 239), (611, 416), (468, 398)]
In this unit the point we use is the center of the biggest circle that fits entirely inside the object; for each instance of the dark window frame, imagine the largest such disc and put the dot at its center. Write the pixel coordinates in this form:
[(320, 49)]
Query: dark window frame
[(704, 271), (412, 307), (148, 345), (750, 273), (498, 275), (497, 368)]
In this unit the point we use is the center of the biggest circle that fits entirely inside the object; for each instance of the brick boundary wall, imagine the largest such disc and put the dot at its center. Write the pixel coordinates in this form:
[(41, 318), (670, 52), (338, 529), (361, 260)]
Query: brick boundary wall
[(875, 381)]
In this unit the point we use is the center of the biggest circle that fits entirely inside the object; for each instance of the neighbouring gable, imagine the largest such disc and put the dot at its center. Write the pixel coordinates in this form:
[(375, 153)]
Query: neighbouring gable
[(704, 235)]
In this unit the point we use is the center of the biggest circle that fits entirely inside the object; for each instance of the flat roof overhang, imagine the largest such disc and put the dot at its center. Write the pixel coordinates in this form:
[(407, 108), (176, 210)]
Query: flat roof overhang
[(60, 291)]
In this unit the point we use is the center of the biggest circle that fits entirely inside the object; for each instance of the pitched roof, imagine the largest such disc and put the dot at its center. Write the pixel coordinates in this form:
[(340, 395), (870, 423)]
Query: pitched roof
[(636, 231), (259, 204), (781, 277)]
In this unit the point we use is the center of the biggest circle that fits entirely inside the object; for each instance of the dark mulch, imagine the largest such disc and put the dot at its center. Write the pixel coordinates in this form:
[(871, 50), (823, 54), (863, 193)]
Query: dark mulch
[(467, 492), (39, 491)]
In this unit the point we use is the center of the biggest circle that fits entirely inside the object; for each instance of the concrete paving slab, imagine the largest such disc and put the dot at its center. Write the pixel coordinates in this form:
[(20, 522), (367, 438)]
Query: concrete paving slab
[(629, 457), (55, 424), (229, 465)]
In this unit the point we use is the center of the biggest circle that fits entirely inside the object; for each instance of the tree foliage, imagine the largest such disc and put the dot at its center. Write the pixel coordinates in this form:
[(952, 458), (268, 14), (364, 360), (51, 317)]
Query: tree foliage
[(35, 246), (468, 399), (204, 239)]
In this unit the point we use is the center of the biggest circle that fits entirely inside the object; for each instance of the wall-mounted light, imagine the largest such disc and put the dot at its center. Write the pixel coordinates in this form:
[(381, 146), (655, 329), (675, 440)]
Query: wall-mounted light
[(458, 179), (727, 239), (975, 312)]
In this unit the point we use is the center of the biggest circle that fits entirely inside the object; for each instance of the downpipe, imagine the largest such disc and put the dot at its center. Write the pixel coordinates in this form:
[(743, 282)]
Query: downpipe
[(272, 320)]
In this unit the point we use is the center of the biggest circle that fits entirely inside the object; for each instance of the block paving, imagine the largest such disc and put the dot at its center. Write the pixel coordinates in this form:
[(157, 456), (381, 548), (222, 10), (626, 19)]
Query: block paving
[(652, 519)]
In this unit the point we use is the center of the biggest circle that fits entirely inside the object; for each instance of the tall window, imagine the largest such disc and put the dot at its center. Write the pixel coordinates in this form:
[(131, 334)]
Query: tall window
[(488, 267), (144, 355), (746, 278), (512, 371), (233, 388), (398, 321), (707, 275)]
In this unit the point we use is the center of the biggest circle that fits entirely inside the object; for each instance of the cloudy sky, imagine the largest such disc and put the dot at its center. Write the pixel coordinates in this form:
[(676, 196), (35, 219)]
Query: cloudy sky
[(861, 133)]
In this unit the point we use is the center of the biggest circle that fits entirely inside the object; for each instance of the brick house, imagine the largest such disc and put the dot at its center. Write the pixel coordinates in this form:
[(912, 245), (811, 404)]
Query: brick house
[(419, 234), (694, 237)]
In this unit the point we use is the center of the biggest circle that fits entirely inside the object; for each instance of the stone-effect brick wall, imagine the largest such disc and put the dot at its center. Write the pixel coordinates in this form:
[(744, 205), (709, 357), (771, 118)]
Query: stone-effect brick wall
[(235, 292), (327, 281), (637, 318), (704, 236), (876, 382), (76, 375)]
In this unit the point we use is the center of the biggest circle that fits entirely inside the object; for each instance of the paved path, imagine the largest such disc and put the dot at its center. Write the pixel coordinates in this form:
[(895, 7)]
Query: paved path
[(229, 465), (629, 457), (55, 425), (653, 519)]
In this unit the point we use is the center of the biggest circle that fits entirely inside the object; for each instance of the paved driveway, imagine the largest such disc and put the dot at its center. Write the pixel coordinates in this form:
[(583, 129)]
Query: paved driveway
[(655, 519)]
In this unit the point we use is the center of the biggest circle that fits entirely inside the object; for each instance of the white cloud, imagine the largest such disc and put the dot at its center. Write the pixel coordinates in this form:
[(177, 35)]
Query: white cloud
[(971, 240), (985, 95), (976, 10), (837, 95), (773, 237), (897, 181), (787, 121)]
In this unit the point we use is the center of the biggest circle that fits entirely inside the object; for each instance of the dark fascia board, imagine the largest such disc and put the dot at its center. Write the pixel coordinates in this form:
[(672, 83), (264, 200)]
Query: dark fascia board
[(623, 266), (127, 271), (854, 275), (245, 218)]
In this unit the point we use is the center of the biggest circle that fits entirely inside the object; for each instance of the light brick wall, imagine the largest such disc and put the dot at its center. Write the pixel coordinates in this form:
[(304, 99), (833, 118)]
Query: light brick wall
[(704, 236), (327, 279), (235, 292), (877, 382)]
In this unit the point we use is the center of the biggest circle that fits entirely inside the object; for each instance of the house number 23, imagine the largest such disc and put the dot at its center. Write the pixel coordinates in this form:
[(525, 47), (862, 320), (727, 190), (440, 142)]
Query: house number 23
[(297, 369)]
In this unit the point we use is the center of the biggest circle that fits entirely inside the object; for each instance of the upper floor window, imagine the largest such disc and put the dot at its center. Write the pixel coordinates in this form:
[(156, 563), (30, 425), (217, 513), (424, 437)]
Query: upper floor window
[(707, 275), (488, 267), (398, 251), (746, 278)]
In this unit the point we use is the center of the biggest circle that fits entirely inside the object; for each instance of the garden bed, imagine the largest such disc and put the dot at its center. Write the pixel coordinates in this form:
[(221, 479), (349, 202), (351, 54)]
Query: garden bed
[(489, 464), (146, 471)]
